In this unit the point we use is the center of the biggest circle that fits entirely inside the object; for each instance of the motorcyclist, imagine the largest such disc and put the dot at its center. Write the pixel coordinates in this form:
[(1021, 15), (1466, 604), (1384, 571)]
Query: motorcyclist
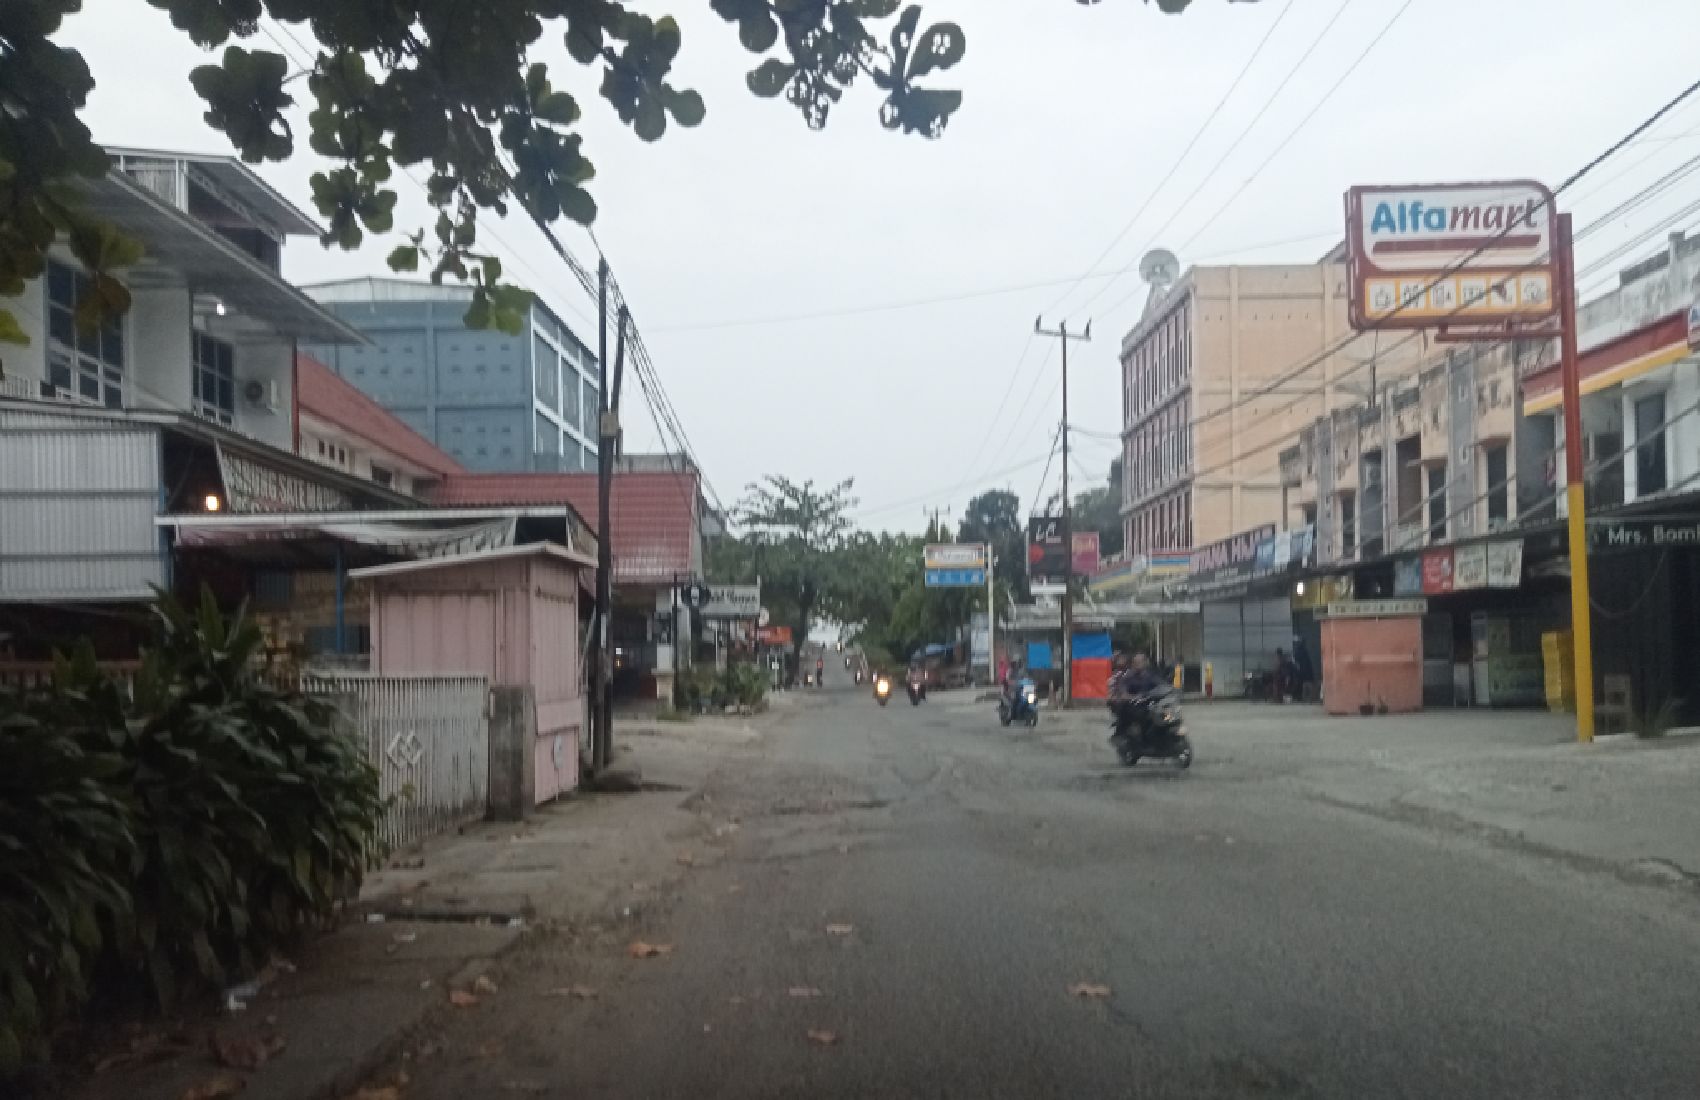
[(1131, 683), (820, 667)]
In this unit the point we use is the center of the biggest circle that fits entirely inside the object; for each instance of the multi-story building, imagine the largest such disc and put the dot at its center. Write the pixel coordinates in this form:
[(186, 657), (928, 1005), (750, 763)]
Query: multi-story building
[(344, 429), (496, 403), (1224, 368)]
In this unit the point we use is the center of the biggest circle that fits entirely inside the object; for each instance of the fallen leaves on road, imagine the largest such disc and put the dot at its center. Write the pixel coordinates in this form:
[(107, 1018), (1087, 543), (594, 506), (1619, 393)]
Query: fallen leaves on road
[(734, 888), (685, 859), (844, 849), (840, 929), (823, 1038), (802, 991), (490, 1048), (484, 985), (1089, 990), (246, 1051), (216, 1088), (641, 950), (576, 992), (460, 998)]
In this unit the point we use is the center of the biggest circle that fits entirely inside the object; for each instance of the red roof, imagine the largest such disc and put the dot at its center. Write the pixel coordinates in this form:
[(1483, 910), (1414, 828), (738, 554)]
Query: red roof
[(323, 394), (652, 514)]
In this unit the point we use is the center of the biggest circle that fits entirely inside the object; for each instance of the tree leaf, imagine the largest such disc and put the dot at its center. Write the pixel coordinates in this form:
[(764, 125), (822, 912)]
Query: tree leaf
[(404, 258), (770, 78)]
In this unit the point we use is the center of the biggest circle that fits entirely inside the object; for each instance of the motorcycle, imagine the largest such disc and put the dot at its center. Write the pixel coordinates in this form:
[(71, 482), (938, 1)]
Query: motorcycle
[(1023, 706), (917, 692), (1150, 725), (858, 676), (882, 690)]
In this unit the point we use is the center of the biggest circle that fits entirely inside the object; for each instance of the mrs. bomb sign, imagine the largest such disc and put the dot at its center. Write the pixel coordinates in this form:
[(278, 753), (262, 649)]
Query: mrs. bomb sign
[(1471, 254)]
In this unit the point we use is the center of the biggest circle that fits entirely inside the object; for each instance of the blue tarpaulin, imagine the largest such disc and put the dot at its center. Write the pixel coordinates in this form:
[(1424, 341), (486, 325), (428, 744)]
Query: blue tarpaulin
[(1091, 646), (1038, 655)]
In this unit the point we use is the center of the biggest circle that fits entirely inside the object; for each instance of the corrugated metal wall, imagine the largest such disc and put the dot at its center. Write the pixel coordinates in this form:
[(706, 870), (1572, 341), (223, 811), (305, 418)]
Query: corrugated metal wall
[(78, 499)]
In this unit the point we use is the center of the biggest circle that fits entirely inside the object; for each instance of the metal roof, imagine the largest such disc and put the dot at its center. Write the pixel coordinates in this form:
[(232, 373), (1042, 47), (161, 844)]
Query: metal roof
[(547, 549), (237, 178), (175, 240)]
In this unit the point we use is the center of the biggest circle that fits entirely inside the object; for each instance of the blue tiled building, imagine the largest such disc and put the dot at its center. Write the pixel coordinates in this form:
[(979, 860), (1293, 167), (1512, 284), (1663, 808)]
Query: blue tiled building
[(497, 403)]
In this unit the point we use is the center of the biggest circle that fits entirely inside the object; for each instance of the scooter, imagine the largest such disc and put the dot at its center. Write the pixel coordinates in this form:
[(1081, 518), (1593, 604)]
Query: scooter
[(882, 690), (1150, 725), (858, 676), (917, 692), (1023, 706)]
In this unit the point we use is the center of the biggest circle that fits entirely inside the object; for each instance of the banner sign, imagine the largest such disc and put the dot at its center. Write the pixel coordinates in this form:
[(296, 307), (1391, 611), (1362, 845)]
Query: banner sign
[(1374, 609), (774, 635), (1086, 557), (251, 487), (1469, 567), (1407, 576), (732, 601), (1437, 571), (1468, 253), (1231, 556), (1505, 564), (955, 578), (1046, 555)]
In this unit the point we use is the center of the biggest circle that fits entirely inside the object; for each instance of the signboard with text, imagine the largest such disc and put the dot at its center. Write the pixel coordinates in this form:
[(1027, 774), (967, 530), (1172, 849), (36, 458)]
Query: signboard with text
[(1046, 554), (1642, 534), (1469, 567), (774, 635), (1086, 556), (1230, 557), (732, 601), (1425, 255), (1437, 571), (954, 565)]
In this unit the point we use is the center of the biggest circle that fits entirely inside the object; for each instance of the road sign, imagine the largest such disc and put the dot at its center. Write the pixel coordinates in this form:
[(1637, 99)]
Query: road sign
[(955, 555), (732, 601), (956, 578), (1427, 255)]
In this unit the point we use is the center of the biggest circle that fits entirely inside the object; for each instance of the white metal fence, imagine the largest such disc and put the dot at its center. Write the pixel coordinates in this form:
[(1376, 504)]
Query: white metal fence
[(429, 738)]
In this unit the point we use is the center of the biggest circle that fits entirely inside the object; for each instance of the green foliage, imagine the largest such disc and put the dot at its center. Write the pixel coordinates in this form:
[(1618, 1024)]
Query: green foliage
[(450, 89), (175, 837), (702, 688), (995, 517), (793, 533)]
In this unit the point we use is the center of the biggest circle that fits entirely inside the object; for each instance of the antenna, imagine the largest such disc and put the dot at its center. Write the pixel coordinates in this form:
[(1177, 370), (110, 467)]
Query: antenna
[(1159, 268)]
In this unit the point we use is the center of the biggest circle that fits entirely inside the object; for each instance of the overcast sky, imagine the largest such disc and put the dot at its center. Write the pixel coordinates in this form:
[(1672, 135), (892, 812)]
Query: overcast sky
[(733, 239)]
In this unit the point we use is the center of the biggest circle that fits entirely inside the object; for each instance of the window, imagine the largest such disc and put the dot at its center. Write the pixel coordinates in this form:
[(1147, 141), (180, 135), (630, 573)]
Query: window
[(382, 476), (215, 380), (546, 382), (1650, 455), (1437, 503), (1348, 526), (546, 444), (84, 366), (1498, 492)]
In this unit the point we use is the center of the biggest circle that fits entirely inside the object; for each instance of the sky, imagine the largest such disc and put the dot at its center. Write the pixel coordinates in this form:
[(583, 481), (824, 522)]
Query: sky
[(857, 303)]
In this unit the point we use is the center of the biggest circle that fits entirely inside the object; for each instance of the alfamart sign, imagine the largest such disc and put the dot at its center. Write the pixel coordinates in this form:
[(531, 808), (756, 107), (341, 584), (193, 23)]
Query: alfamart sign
[(1465, 254)]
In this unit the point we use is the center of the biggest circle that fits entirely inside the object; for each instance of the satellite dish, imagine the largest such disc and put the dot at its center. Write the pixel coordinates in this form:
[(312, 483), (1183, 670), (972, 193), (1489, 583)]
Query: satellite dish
[(1159, 267)]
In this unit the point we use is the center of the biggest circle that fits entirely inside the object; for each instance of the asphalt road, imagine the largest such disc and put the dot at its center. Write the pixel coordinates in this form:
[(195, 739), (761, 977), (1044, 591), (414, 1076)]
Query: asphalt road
[(921, 889)]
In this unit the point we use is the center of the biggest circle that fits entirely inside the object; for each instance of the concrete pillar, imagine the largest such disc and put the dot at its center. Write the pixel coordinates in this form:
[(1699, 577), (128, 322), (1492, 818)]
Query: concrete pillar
[(512, 787)]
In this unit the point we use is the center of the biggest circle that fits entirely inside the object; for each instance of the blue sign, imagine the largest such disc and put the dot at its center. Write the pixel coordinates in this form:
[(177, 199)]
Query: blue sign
[(956, 578)]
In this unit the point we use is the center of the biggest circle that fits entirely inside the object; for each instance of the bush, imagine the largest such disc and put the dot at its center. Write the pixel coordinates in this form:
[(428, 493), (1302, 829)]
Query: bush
[(701, 688), (176, 838)]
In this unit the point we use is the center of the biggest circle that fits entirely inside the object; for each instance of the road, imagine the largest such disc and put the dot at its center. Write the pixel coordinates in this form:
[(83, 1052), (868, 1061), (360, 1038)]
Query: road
[(923, 890)]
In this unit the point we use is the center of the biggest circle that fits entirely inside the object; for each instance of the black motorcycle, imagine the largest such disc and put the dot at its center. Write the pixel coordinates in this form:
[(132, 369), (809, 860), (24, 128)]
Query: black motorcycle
[(1150, 726), (917, 692)]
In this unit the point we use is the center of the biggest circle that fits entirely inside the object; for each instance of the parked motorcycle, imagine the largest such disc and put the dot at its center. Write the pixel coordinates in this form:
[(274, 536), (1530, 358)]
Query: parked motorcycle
[(1022, 706), (1150, 726), (882, 690)]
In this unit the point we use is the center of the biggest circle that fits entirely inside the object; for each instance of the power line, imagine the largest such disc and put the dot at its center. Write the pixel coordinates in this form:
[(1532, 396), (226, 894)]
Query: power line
[(1175, 167), (1234, 145)]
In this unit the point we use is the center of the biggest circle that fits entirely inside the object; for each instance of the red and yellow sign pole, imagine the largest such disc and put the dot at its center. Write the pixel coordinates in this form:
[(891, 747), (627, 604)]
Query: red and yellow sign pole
[(1581, 618)]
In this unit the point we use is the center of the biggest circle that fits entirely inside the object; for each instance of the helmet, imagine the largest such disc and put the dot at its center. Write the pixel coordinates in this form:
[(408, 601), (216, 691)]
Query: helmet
[(1121, 662)]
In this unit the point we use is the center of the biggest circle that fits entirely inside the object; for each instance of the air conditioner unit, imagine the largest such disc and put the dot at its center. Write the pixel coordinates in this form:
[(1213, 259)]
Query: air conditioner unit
[(262, 395)]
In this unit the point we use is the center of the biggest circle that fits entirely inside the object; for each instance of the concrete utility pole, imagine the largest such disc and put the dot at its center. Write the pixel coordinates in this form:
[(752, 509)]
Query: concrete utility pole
[(1575, 486), (1061, 333), (608, 441)]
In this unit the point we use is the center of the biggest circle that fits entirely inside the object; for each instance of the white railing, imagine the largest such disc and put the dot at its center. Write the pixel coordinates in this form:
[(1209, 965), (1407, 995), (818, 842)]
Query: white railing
[(429, 738), (26, 388)]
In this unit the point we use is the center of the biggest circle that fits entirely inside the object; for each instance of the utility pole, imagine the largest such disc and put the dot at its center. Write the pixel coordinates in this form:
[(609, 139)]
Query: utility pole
[(608, 442), (1061, 333), (1575, 474), (991, 617)]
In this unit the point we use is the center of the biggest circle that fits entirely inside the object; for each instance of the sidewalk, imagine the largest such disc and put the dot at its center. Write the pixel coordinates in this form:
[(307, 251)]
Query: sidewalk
[(1512, 778), (436, 924)]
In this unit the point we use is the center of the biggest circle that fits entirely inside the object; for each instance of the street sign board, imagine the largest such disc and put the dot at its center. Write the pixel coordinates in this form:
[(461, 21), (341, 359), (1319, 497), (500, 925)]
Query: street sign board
[(731, 601), (1426, 255), (1374, 609), (1087, 555), (956, 578), (970, 555), (774, 635)]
